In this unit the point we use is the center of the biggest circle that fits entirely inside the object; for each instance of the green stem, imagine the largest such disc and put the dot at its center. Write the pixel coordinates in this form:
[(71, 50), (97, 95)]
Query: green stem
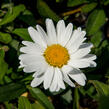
[(76, 99)]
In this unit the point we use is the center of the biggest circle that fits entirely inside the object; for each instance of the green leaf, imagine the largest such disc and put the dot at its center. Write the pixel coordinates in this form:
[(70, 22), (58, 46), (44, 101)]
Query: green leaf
[(15, 44), (59, 1), (95, 20), (5, 38), (88, 90), (45, 11), (88, 7), (97, 38), (7, 79), (3, 66), (102, 89), (37, 105), (2, 53), (103, 94), (24, 103), (11, 15), (28, 18), (106, 2), (67, 96), (72, 3), (23, 33), (11, 91), (41, 97), (7, 5), (8, 105)]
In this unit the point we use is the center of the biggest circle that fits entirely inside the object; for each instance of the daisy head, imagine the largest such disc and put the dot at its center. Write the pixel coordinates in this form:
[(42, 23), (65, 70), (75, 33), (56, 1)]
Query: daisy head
[(56, 56)]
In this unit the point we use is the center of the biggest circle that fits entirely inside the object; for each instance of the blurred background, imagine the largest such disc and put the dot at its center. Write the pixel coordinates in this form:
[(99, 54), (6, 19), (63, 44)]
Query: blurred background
[(16, 16)]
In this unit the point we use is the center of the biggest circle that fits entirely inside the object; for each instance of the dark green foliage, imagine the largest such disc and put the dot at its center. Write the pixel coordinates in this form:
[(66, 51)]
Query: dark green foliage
[(88, 7), (45, 11), (41, 97), (103, 94), (3, 66), (24, 103), (12, 14), (5, 38), (11, 91), (23, 33)]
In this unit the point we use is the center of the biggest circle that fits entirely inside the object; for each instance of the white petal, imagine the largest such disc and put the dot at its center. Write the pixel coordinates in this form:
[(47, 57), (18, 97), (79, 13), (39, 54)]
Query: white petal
[(33, 49), (37, 81), (38, 73), (84, 76), (67, 80), (76, 39), (60, 29), (76, 45), (85, 45), (66, 34), (21, 64), (60, 78), (57, 89), (66, 69), (54, 82), (48, 76), (78, 77), (36, 37), (27, 59), (42, 33), (93, 64), (36, 67), (51, 31), (90, 57), (29, 69), (27, 43), (79, 63), (40, 64), (81, 52)]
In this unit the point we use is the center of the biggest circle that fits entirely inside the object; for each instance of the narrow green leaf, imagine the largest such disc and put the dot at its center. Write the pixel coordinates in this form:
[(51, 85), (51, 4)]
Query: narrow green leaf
[(2, 53), (5, 38), (102, 89), (88, 7), (45, 11), (37, 106), (72, 3), (10, 16), (95, 20), (41, 97), (24, 103), (11, 91), (3, 66), (23, 33), (8, 105)]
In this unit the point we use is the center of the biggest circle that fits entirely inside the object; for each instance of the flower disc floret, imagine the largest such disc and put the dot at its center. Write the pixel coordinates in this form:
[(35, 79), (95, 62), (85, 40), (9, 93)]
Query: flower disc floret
[(56, 55)]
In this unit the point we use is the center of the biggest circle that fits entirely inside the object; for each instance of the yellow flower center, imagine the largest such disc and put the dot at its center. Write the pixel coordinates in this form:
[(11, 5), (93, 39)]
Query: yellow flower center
[(56, 55)]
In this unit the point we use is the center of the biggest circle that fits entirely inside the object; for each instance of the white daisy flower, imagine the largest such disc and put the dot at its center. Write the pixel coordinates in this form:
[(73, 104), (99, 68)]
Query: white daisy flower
[(56, 57)]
